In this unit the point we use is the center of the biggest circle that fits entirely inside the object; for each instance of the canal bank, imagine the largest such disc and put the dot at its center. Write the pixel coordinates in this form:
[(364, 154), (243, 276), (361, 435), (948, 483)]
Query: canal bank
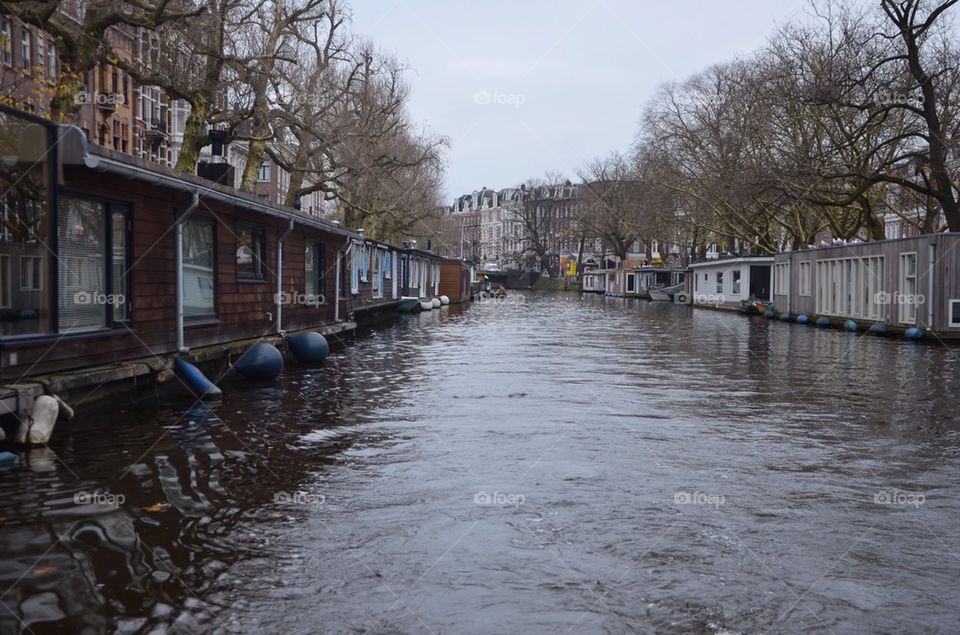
[(462, 471)]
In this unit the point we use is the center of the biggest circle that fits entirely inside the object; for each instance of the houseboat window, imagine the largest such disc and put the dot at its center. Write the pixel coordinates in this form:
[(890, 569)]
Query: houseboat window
[(719, 282), (84, 293), (119, 267), (24, 228), (736, 282), (906, 299), (198, 269), (781, 278), (851, 287), (314, 275), (631, 282), (805, 278), (954, 313), (355, 269), (250, 251), (378, 273)]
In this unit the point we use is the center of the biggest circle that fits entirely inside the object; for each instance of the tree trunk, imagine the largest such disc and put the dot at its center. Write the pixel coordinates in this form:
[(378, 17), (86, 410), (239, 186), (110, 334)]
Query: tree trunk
[(193, 136)]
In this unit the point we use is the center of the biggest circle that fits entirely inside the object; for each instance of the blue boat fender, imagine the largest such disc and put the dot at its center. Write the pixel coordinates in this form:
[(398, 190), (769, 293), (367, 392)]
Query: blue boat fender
[(824, 322), (803, 319), (309, 346), (8, 458), (785, 317), (260, 361), (195, 379), (851, 325), (877, 329), (913, 333)]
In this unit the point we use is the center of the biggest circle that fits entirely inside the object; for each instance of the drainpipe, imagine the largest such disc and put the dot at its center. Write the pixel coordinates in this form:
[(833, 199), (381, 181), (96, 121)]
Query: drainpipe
[(341, 254), (181, 347), (930, 265), (278, 298)]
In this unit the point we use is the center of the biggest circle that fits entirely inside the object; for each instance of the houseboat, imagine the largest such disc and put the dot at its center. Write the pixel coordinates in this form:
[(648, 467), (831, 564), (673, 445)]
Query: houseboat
[(373, 269), (419, 273), (649, 279), (116, 266), (622, 280), (593, 281), (906, 285), (456, 278), (736, 283)]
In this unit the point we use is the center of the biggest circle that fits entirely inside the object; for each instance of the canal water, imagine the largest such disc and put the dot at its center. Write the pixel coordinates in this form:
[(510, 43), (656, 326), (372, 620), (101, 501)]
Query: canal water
[(548, 464)]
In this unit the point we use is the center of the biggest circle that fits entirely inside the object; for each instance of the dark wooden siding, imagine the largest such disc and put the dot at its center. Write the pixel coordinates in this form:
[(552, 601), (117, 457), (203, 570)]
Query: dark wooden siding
[(242, 306)]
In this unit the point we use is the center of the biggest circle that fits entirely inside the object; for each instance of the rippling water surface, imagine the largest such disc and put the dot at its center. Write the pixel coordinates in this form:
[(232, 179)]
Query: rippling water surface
[(563, 464)]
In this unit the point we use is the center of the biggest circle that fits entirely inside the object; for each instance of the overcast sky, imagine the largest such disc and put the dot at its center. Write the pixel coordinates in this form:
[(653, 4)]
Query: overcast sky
[(525, 86)]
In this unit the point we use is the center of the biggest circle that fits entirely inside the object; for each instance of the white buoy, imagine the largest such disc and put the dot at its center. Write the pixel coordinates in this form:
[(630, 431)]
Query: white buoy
[(426, 305), (436, 303), (444, 300), (38, 427)]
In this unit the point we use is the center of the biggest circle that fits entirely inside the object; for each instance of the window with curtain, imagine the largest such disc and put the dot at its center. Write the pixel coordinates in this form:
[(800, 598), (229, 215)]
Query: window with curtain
[(92, 264)]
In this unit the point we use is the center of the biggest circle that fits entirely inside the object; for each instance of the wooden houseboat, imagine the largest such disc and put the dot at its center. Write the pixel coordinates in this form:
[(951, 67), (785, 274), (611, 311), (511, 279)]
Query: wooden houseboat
[(456, 278), (730, 283), (897, 285), (106, 259)]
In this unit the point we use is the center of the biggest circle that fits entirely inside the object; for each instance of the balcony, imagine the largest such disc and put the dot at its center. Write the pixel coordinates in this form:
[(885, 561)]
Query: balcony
[(156, 133)]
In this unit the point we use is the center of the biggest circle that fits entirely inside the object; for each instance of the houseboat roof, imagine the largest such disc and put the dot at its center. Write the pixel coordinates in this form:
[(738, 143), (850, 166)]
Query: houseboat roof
[(729, 261), (868, 242), (74, 150)]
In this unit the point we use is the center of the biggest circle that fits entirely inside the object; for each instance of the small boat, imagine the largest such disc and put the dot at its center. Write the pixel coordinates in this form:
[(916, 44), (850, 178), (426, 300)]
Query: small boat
[(409, 304), (665, 294), (755, 306)]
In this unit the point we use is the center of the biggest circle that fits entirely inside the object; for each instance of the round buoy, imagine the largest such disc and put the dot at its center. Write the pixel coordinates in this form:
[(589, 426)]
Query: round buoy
[(681, 298), (426, 305), (913, 333), (436, 303), (444, 300), (8, 458), (802, 319), (877, 329), (851, 325), (308, 347), (824, 322), (260, 361), (785, 317)]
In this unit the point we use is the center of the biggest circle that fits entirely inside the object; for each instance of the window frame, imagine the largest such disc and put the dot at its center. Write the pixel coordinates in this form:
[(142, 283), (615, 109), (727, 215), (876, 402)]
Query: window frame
[(259, 255), (6, 49), (110, 207), (214, 315), (903, 308), (26, 50), (317, 251), (950, 321), (805, 269)]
